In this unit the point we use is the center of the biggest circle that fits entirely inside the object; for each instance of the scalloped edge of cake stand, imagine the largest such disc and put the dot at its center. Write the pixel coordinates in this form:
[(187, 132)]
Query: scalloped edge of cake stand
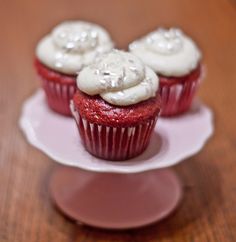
[(174, 139)]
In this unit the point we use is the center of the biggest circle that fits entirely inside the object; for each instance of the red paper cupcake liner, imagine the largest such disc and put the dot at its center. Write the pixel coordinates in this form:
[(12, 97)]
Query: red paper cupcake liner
[(177, 98), (114, 143), (59, 95)]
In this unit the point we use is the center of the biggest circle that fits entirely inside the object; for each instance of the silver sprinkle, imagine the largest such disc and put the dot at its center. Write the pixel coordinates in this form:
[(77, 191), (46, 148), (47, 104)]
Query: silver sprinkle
[(70, 45), (97, 72), (94, 34), (84, 34), (121, 93), (106, 73), (133, 68)]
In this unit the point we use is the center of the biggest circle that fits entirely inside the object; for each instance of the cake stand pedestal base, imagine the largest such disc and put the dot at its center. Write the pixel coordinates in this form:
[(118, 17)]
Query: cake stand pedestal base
[(115, 201)]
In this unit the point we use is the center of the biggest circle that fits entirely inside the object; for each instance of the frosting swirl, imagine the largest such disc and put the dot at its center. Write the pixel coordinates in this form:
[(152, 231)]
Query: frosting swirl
[(120, 78), (167, 51), (72, 45)]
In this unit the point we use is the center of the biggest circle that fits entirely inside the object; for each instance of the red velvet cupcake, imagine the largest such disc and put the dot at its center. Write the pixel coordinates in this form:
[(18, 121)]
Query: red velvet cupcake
[(62, 54), (176, 59), (116, 106)]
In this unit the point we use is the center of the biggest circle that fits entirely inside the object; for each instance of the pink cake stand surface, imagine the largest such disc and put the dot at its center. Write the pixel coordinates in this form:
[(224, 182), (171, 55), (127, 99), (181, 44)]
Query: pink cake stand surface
[(115, 195)]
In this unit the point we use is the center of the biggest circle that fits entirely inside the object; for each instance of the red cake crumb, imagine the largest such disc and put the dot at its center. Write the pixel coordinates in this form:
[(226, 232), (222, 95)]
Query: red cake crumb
[(96, 110), (52, 75)]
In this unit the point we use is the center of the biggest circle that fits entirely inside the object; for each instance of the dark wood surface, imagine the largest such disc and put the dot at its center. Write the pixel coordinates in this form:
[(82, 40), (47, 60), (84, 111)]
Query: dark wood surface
[(208, 211)]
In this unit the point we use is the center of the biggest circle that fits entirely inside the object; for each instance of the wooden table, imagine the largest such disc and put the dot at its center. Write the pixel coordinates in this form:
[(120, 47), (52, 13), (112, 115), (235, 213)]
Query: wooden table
[(208, 211)]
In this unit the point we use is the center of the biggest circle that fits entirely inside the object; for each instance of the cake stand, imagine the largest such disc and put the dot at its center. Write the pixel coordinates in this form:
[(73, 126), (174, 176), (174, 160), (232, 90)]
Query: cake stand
[(115, 195)]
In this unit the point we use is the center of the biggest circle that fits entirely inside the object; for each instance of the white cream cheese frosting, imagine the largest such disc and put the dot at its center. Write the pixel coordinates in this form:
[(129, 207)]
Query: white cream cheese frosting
[(72, 45), (120, 78), (169, 52)]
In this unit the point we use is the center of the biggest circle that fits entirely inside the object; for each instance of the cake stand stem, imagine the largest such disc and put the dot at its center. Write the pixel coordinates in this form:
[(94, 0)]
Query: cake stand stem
[(112, 200)]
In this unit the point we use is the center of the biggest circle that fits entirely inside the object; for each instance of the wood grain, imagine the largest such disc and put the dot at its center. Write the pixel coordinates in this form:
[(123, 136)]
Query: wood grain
[(208, 211)]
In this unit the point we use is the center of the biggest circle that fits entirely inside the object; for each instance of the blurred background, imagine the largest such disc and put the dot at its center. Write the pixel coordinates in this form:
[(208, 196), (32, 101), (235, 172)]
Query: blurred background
[(208, 211)]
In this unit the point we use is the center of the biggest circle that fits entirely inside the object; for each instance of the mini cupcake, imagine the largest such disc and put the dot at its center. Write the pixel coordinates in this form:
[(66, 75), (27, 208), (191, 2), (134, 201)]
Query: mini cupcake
[(61, 55), (116, 106), (176, 59)]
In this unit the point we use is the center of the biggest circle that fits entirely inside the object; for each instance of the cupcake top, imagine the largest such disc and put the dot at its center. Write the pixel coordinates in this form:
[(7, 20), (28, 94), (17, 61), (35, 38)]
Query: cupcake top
[(169, 52), (72, 45), (120, 78)]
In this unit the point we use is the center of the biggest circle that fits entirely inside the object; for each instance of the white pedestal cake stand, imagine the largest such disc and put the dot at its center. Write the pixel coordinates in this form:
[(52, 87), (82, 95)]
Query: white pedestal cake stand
[(115, 195)]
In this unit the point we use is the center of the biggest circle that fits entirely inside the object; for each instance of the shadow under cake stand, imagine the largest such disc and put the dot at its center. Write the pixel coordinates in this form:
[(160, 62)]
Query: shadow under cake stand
[(115, 195)]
